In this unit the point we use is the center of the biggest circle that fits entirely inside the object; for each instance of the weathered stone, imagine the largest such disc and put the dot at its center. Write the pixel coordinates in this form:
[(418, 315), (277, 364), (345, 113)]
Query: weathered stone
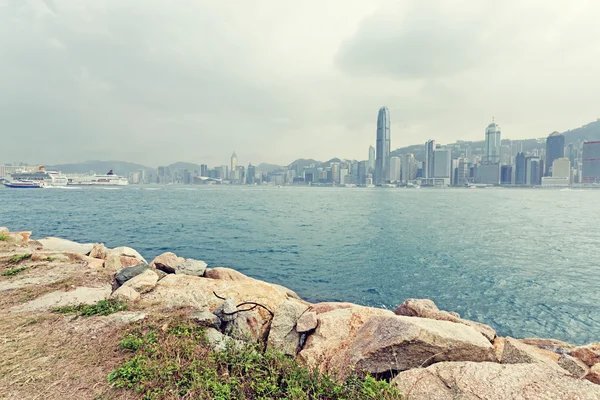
[(322, 308), (398, 343), (81, 295), (225, 274), (58, 244), (574, 366), (191, 267), (589, 354), (3, 229), (50, 256), (553, 345), (167, 262), (128, 273), (98, 251), (205, 318), (121, 257), (144, 282), (219, 342), (125, 293), (307, 322), (517, 352), (247, 326), (283, 336), (491, 381), (123, 317), (129, 252), (226, 311), (426, 308), (499, 347), (594, 374), (19, 237)]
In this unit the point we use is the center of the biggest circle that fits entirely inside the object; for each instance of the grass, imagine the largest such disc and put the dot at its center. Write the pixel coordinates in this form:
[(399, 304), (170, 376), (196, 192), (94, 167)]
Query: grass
[(17, 258), (175, 362), (50, 259), (13, 271), (4, 237), (103, 307)]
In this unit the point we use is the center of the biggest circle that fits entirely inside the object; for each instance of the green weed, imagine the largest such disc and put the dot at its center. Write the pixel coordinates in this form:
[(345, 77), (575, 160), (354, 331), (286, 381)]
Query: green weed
[(103, 307), (17, 258), (4, 237), (13, 271)]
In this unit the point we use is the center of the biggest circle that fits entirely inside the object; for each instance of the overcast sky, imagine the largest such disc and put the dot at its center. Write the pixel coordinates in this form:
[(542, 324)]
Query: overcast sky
[(155, 82)]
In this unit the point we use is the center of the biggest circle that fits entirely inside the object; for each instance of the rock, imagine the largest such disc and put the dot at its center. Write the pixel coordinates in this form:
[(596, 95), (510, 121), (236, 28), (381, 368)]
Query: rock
[(98, 251), (576, 367), (58, 244), (517, 352), (219, 342), (125, 293), (52, 257), (553, 345), (594, 374), (81, 295), (167, 262), (128, 252), (144, 282), (283, 336), (94, 263), (499, 348), (225, 274), (123, 317), (307, 322), (426, 308), (205, 318), (324, 349), (589, 354), (3, 229), (121, 257), (491, 381), (247, 326), (128, 273), (226, 311), (397, 343), (191, 267), (19, 237)]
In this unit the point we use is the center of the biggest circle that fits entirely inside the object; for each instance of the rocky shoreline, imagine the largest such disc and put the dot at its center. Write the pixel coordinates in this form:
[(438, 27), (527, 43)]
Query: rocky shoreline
[(426, 352)]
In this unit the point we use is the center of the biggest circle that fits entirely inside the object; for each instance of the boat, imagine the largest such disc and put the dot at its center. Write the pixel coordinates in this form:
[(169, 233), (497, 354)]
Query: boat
[(25, 184), (110, 179), (49, 178)]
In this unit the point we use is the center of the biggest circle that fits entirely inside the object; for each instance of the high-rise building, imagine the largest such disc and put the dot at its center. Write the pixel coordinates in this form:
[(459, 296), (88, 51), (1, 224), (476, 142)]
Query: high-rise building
[(428, 166), (335, 172), (492, 144), (409, 168), (234, 164), (382, 156), (506, 175), (555, 148), (443, 162), (520, 169), (463, 171), (343, 176), (505, 154), (533, 171), (251, 174), (363, 169), (203, 170), (561, 168), (371, 165), (591, 162), (395, 169)]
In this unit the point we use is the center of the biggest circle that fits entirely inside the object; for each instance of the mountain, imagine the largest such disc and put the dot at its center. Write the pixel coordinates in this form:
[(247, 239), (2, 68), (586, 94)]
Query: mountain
[(266, 168), (184, 165), (590, 132), (100, 167), (304, 162)]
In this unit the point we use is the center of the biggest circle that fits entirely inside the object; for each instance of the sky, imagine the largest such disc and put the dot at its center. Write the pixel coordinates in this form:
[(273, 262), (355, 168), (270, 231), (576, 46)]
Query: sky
[(156, 82)]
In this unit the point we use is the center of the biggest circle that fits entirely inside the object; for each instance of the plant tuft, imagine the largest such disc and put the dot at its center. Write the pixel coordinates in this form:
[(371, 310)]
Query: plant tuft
[(17, 258), (13, 271), (103, 307)]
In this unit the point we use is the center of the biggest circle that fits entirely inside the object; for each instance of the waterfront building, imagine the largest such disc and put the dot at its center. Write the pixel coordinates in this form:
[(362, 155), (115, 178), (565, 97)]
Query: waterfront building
[(335, 172), (492, 144), (409, 168), (506, 175), (371, 165), (343, 174), (443, 164), (234, 164), (203, 170), (555, 148), (251, 175), (462, 176), (428, 166), (362, 172), (591, 162), (395, 169), (488, 174), (520, 169), (505, 155), (533, 171), (382, 153)]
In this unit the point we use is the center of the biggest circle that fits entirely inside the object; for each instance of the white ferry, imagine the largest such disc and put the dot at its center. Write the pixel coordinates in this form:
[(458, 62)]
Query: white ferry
[(49, 178), (110, 179)]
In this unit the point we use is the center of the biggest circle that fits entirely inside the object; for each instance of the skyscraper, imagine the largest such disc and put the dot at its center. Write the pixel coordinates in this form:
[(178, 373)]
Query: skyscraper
[(520, 169), (443, 162), (234, 163), (409, 168), (395, 168), (463, 171), (555, 148), (371, 165), (591, 162), (335, 172), (429, 159), (251, 175), (382, 160), (492, 144), (533, 172)]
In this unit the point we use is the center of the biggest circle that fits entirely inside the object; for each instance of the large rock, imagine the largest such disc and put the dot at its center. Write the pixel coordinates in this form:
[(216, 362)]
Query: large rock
[(167, 262), (553, 345), (128, 273), (205, 318), (3, 229), (121, 257), (19, 237), (398, 343), (283, 336), (191, 267), (426, 308), (219, 342), (98, 251), (81, 295), (574, 366), (589, 354), (517, 352), (144, 282), (58, 244), (126, 294), (594, 374), (491, 381), (226, 274), (338, 325), (227, 310), (307, 322)]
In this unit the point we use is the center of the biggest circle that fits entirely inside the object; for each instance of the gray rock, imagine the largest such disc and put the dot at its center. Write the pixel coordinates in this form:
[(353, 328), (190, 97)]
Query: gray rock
[(517, 352), (491, 381), (167, 262), (205, 318), (307, 322), (191, 267), (283, 336), (81, 295), (576, 367), (219, 342), (128, 273), (226, 311), (58, 244), (144, 282), (125, 293)]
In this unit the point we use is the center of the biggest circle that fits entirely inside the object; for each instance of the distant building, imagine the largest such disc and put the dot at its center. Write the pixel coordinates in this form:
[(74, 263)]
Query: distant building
[(520, 169), (382, 154), (251, 175), (363, 169), (533, 171), (335, 172), (344, 173), (443, 162), (371, 165), (555, 148), (429, 163), (395, 169), (409, 168), (506, 175), (203, 170), (462, 176), (591, 162), (234, 163), (492, 144), (488, 174)]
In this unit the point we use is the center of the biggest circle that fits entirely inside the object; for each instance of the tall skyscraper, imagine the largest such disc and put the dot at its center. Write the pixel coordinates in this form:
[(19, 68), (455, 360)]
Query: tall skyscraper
[(533, 171), (395, 169), (555, 148), (251, 175), (382, 160), (409, 168), (428, 165), (492, 144), (371, 164), (335, 172), (234, 164), (443, 162), (463, 171), (591, 162), (520, 169)]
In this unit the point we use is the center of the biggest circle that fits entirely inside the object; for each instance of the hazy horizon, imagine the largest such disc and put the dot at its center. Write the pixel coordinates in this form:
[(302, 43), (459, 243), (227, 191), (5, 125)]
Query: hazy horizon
[(152, 83)]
